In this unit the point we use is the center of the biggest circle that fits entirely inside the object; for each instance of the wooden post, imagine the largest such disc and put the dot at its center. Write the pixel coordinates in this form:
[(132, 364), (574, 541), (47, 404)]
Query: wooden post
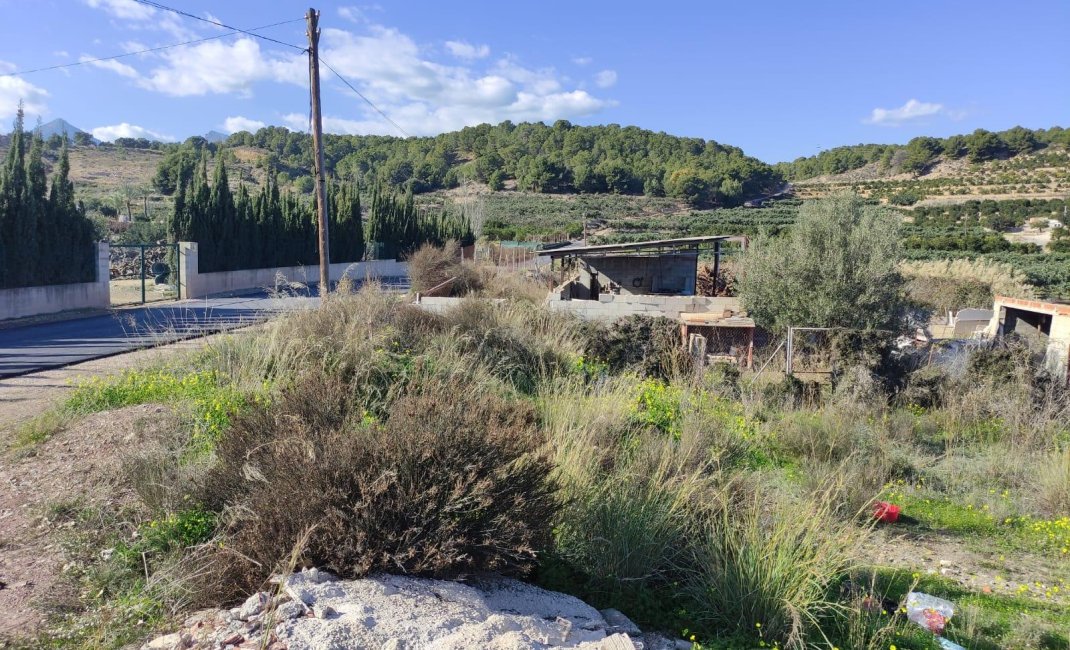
[(750, 351), (317, 149), (789, 351), (716, 264)]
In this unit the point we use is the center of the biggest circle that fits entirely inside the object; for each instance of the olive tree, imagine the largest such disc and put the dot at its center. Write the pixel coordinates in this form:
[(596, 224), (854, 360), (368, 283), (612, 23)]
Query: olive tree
[(837, 266)]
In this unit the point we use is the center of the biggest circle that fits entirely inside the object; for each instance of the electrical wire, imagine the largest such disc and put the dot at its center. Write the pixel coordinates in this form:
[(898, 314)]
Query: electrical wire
[(157, 5), (145, 51), (361, 95)]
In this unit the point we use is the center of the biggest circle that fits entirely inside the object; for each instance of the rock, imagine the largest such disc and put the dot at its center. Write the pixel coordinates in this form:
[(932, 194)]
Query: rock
[(253, 605), (407, 613), (166, 642), (323, 611), (617, 642), (290, 610), (414, 612), (684, 645), (233, 639), (618, 622)]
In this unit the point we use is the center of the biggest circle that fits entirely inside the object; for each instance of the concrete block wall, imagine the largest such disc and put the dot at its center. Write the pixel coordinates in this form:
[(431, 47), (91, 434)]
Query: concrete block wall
[(639, 275), (35, 301), (199, 285), (611, 307), (440, 304)]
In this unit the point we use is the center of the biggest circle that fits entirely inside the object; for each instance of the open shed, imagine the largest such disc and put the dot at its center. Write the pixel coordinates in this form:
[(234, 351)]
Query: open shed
[(667, 267)]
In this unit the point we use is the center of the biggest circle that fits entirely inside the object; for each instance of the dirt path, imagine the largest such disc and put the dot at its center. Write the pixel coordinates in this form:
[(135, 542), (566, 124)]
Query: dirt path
[(78, 465), (971, 565), (76, 468)]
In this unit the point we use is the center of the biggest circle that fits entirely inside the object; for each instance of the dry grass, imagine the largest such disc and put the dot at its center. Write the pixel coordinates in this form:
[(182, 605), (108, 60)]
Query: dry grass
[(936, 282), (449, 484)]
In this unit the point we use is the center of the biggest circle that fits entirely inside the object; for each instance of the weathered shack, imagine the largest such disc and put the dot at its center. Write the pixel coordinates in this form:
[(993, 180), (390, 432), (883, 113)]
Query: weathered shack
[(664, 267)]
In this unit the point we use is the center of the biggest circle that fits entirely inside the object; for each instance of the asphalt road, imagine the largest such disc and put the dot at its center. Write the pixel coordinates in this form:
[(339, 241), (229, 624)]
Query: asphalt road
[(35, 347)]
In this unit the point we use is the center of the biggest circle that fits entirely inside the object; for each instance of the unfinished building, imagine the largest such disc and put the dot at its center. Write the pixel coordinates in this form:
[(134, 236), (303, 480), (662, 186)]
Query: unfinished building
[(1046, 324)]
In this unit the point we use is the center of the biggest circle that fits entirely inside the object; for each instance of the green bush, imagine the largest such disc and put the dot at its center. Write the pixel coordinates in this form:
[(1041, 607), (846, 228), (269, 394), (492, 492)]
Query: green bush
[(836, 267)]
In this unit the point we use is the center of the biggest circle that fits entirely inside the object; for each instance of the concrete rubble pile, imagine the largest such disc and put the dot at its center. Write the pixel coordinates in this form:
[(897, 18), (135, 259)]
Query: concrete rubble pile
[(313, 610)]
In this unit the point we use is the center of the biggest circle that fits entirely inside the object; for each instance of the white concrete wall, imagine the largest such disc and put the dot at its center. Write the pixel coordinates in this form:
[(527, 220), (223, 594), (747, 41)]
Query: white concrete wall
[(51, 299), (612, 307), (199, 285)]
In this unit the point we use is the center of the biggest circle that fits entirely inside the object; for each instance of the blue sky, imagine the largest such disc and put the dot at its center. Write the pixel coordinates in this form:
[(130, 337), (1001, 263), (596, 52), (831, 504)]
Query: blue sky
[(779, 79)]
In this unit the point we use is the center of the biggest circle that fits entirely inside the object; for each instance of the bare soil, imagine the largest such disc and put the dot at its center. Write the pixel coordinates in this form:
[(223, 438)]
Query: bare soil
[(77, 467), (978, 567)]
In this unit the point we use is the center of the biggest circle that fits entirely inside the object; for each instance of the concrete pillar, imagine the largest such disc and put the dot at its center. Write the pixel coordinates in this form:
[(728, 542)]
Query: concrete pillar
[(188, 272), (102, 281)]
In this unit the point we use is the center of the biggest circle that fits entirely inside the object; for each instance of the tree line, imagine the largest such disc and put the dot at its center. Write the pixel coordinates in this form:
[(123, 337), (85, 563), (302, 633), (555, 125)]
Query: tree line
[(241, 230), (922, 152), (998, 215), (558, 158), (45, 237)]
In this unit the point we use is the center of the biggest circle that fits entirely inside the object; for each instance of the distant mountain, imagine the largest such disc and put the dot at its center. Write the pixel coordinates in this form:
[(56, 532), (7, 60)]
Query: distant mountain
[(60, 126), (215, 136)]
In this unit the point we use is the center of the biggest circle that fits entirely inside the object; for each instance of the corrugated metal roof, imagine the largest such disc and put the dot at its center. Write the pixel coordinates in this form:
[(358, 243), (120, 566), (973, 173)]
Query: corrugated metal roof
[(684, 243)]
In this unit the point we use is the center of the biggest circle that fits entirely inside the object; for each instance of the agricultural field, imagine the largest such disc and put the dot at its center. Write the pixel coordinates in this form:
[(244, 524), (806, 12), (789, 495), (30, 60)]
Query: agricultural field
[(1039, 175)]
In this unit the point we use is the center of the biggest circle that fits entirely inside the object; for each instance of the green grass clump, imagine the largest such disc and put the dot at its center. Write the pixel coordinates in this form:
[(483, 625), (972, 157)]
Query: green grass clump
[(213, 401)]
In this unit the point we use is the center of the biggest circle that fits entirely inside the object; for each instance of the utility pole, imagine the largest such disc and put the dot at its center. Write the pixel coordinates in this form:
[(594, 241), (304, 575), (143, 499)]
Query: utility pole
[(313, 17)]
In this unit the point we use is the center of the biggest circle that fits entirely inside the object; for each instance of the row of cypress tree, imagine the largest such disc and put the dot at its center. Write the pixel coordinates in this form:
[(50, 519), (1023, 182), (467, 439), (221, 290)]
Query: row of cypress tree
[(45, 237), (238, 230), (398, 226)]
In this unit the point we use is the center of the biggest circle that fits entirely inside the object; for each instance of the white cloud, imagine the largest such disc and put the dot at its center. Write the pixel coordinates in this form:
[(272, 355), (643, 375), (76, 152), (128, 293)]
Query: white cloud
[(214, 19), (216, 67), (123, 9), (912, 110), (467, 51), (127, 130), (352, 14), (140, 16), (427, 97), (239, 123), (422, 94), (63, 54), (583, 60), (16, 89), (605, 78), (117, 67)]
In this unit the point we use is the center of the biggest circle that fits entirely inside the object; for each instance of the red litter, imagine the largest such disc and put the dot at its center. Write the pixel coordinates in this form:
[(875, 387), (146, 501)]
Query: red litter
[(886, 512)]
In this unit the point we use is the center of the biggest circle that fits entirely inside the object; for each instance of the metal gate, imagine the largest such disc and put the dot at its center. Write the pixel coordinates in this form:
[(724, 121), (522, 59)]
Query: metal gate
[(136, 267)]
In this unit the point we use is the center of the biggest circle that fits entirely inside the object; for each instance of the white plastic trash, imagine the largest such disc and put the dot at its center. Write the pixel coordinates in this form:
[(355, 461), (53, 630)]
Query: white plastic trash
[(929, 612)]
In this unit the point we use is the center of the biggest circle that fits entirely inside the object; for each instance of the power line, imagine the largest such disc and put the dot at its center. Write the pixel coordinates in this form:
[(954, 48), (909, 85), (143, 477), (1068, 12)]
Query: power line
[(145, 51), (157, 5), (370, 102)]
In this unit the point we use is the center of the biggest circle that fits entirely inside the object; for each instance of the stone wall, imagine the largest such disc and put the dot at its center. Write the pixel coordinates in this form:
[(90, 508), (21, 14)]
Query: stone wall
[(50, 299), (199, 285)]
